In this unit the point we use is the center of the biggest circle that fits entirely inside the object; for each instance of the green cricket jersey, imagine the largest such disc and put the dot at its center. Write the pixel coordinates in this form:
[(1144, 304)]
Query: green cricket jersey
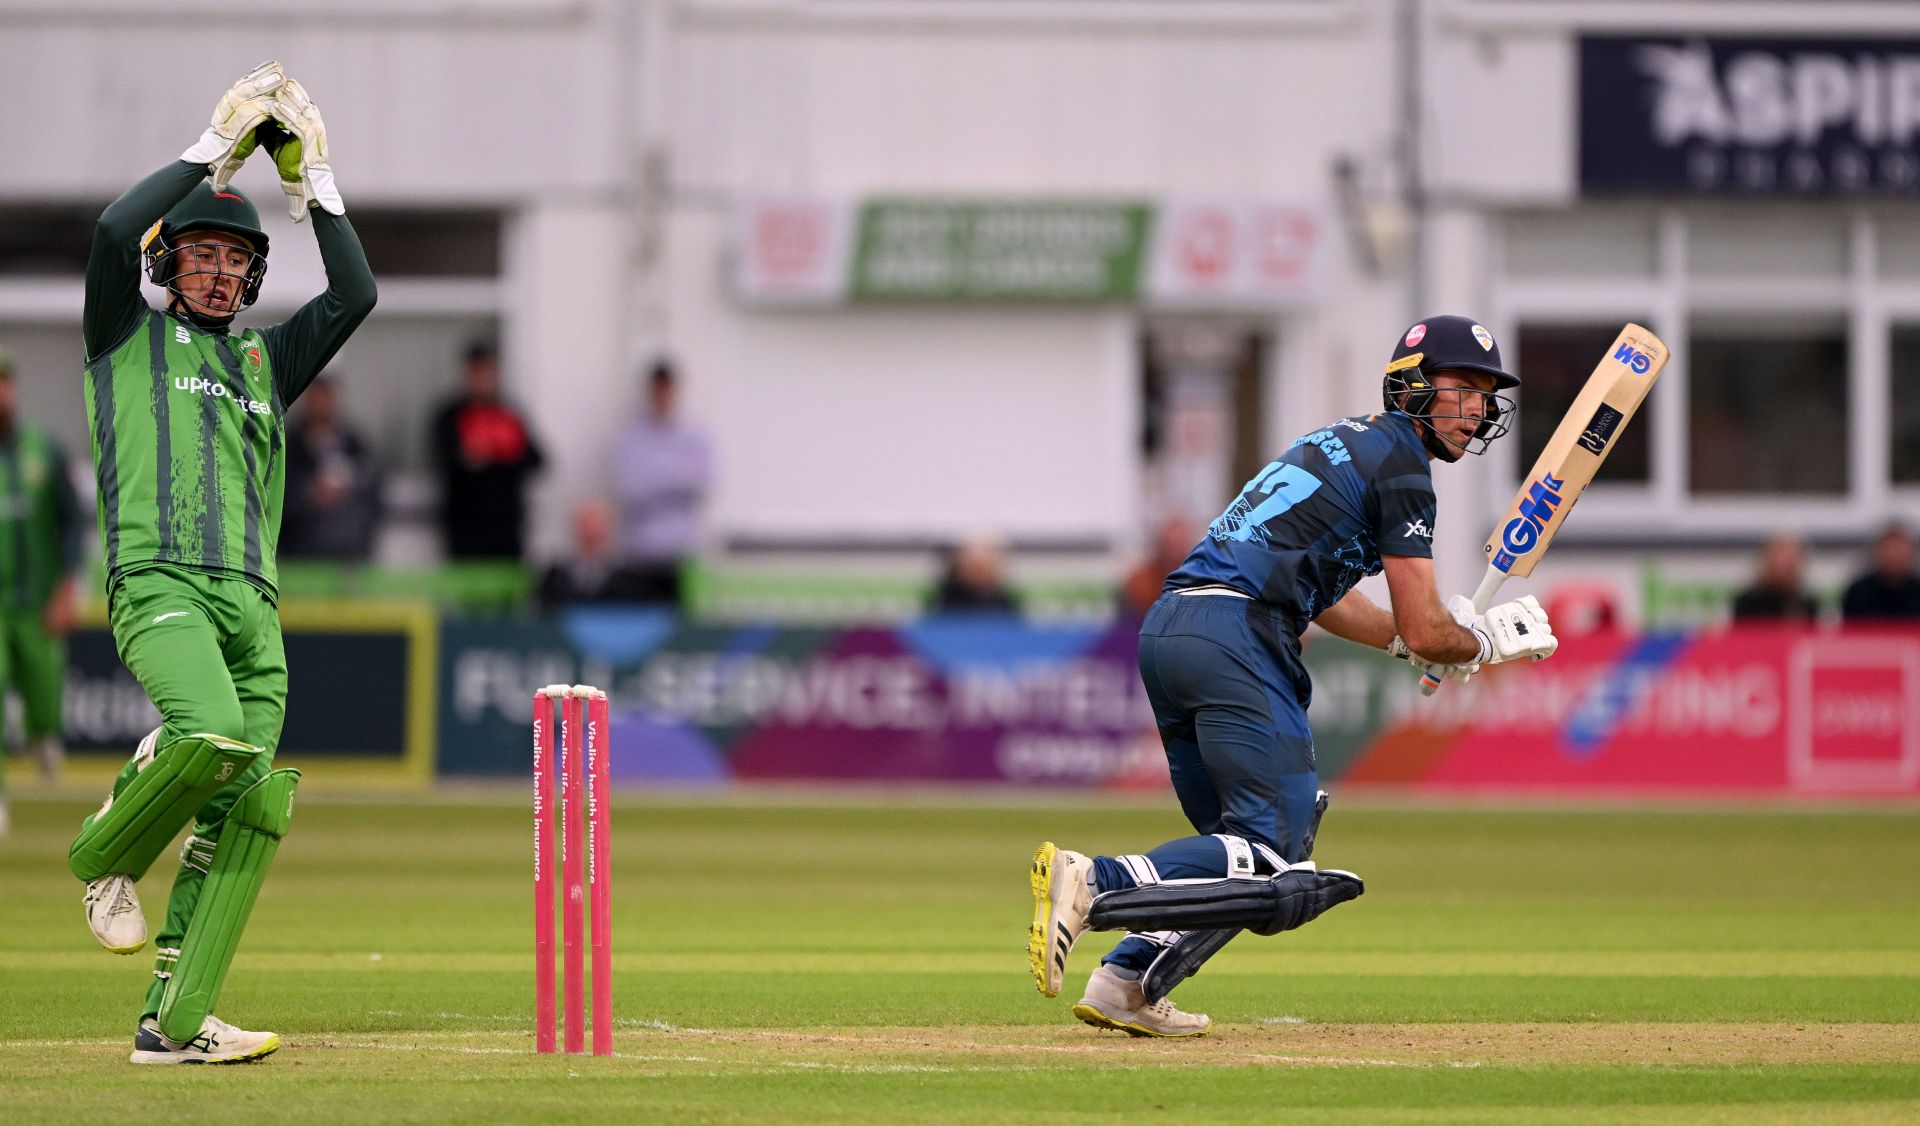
[(39, 519), (187, 422)]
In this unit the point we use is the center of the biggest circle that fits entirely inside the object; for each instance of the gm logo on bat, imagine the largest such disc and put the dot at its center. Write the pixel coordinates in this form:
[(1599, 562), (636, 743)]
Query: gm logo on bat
[(1522, 533), (1634, 358)]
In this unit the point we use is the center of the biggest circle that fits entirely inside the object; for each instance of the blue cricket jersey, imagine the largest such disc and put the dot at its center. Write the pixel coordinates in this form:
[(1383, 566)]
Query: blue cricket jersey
[(1313, 523)]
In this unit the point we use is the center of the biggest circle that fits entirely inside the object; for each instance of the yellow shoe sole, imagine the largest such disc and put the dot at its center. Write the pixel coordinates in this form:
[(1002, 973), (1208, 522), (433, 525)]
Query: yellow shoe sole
[(1090, 1015), (1042, 879)]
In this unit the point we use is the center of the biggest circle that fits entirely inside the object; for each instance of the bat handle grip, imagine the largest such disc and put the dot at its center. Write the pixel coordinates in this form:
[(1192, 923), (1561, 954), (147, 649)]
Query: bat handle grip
[(1482, 598)]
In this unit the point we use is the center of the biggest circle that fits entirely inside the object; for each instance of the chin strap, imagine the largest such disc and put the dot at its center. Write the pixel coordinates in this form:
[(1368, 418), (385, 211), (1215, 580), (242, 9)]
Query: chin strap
[(180, 307)]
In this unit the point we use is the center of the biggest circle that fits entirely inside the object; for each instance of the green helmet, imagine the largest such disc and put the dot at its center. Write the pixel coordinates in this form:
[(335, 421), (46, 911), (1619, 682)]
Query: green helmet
[(207, 210)]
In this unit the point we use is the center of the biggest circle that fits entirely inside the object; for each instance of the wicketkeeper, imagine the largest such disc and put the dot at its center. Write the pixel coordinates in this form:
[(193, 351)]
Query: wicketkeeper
[(187, 414)]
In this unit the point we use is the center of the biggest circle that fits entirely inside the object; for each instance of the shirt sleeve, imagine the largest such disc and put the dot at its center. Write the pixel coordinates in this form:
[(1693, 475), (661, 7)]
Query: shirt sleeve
[(113, 303), (1407, 512), (302, 344)]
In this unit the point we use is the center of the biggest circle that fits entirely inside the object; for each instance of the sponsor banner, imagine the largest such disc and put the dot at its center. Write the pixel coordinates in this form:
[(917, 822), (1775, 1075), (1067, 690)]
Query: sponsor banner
[(1193, 253), (360, 688), (945, 699), (1749, 117), (1746, 711), (1214, 254), (1736, 712)]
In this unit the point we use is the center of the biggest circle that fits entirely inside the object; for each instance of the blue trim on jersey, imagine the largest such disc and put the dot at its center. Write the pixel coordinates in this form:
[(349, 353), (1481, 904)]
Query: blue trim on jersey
[(1318, 518)]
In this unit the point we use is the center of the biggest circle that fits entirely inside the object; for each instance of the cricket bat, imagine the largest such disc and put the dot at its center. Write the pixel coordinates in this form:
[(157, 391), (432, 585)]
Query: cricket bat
[(1615, 390)]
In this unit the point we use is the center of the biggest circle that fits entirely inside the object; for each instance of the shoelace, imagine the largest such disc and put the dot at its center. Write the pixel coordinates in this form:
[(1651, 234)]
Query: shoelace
[(122, 900)]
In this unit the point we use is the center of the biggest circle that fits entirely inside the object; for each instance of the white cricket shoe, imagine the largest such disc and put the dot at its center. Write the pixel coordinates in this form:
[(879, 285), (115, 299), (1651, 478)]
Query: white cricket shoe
[(114, 916), (1062, 896), (51, 753), (1112, 1001), (218, 1042)]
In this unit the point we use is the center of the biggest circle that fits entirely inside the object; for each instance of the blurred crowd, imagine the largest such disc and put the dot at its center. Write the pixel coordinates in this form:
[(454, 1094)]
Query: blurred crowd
[(1886, 589), (633, 540)]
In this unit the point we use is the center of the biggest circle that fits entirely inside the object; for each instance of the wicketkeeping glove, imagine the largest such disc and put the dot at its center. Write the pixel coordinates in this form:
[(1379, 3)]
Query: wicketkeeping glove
[(1513, 630), (297, 138), (227, 143)]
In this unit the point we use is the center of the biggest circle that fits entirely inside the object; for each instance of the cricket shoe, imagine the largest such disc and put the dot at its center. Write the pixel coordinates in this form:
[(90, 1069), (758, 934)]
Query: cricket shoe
[(1112, 1001), (1062, 896), (217, 1042), (114, 916), (52, 755)]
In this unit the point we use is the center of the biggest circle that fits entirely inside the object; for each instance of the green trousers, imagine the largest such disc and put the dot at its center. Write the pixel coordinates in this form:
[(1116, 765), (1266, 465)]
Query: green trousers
[(33, 663), (207, 649)]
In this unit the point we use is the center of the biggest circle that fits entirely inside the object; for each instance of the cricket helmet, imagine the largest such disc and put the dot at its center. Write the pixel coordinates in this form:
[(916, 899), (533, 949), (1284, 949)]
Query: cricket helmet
[(1448, 343), (204, 209)]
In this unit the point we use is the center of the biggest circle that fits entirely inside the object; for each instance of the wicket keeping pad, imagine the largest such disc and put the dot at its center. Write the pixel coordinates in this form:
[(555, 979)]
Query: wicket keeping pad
[(140, 821), (248, 840), (1264, 906)]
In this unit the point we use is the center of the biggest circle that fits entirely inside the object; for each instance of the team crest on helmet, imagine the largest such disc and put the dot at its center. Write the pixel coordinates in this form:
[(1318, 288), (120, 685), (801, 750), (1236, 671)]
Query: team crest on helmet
[(1484, 337)]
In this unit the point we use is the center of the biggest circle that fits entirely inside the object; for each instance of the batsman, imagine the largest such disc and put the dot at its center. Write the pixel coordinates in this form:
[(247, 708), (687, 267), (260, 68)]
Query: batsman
[(1220, 660), (186, 411)]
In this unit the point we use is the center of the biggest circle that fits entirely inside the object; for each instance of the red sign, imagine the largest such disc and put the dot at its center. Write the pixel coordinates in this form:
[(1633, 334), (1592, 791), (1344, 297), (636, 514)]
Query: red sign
[(1747, 710)]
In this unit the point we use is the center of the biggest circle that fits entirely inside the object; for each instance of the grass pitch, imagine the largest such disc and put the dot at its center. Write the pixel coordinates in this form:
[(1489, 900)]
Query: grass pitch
[(782, 961)]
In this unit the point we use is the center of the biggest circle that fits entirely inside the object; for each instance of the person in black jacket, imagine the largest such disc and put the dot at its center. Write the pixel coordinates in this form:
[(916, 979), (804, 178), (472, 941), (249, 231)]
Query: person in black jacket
[(1890, 590), (485, 454), (1779, 593)]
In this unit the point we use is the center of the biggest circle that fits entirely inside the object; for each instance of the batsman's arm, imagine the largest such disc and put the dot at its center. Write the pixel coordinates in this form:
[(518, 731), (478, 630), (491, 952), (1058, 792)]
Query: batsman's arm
[(1357, 619), (113, 302), (1422, 622), (302, 344)]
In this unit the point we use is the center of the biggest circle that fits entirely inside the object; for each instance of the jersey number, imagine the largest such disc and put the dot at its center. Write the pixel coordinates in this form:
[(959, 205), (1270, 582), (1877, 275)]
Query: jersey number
[(1284, 484)]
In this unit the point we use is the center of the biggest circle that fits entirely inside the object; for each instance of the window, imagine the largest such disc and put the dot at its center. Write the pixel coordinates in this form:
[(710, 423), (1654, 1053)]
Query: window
[(1554, 362), (1767, 406), (1904, 364)]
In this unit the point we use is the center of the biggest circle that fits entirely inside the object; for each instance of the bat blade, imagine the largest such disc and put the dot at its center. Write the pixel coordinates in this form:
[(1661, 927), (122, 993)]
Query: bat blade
[(1582, 441), (1586, 435)]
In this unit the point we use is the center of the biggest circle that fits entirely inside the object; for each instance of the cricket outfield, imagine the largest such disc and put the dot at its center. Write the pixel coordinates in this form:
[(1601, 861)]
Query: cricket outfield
[(792, 959)]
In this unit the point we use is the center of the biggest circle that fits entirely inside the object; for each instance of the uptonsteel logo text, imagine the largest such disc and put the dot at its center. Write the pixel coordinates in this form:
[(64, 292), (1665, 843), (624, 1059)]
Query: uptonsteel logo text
[(197, 385)]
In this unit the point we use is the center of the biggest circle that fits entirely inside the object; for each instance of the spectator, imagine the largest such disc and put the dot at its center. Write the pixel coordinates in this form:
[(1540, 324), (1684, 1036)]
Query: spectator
[(590, 573), (662, 469), (333, 482), (484, 454), (975, 580), (1890, 589), (1779, 592), (1143, 585)]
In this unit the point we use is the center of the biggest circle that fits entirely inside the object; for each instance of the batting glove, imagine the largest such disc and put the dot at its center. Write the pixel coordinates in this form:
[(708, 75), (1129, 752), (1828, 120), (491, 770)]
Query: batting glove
[(297, 138), (227, 143), (1399, 648), (1513, 630)]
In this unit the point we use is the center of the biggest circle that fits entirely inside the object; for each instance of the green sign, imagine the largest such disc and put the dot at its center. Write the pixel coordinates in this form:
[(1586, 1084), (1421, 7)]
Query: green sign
[(1052, 251)]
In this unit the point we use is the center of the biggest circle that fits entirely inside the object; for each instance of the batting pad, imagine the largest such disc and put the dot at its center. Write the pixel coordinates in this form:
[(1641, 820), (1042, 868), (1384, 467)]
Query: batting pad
[(248, 839), (1264, 906), (127, 836)]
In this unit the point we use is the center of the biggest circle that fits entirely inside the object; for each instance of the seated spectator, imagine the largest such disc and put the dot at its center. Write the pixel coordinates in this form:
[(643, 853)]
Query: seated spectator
[(590, 573), (1890, 590), (1143, 584), (333, 483), (975, 580), (1779, 592)]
